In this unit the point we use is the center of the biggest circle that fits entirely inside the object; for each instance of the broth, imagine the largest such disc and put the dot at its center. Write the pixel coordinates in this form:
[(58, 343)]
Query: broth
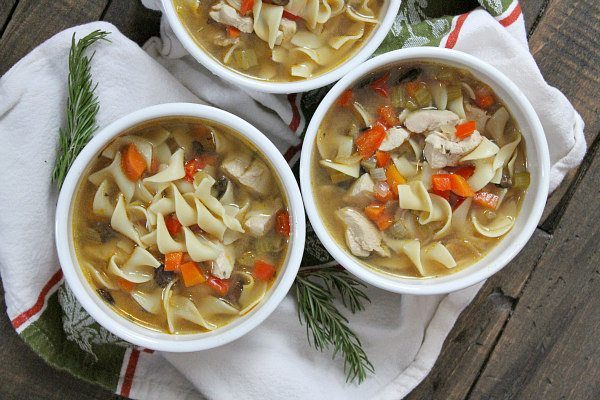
[(181, 225), (419, 170), (280, 43)]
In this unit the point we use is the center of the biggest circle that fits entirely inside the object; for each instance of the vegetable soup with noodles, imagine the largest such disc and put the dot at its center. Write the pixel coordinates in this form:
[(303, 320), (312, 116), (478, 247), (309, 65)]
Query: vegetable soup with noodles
[(280, 40), (419, 170), (181, 225)]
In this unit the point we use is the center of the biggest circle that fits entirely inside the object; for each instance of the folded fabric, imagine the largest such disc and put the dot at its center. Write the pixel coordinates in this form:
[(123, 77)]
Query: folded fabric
[(401, 334)]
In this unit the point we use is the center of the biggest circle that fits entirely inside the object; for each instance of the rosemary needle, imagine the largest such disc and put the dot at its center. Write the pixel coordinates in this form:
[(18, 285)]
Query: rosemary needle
[(326, 327), (82, 106)]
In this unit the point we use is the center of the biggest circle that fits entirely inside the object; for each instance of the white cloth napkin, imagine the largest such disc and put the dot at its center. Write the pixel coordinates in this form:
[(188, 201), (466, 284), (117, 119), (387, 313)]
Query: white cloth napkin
[(401, 334)]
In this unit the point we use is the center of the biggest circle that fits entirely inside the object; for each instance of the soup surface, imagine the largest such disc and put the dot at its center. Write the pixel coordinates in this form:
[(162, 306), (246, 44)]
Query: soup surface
[(419, 170), (180, 225), (280, 40)]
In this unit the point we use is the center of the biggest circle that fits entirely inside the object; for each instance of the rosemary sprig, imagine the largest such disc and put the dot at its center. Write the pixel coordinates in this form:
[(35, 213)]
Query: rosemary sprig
[(82, 106), (326, 327)]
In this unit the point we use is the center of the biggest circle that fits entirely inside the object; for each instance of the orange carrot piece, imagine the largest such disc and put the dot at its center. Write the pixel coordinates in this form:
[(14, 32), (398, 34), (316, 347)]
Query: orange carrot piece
[(132, 162), (125, 285), (191, 274), (484, 97), (283, 223), (379, 214), (374, 210), (345, 98), (486, 199), (221, 286), (246, 6), (382, 158), (369, 141), (380, 85), (465, 171), (173, 261), (441, 182), (263, 270), (465, 129), (173, 224), (233, 32), (387, 116), (460, 186), (394, 178)]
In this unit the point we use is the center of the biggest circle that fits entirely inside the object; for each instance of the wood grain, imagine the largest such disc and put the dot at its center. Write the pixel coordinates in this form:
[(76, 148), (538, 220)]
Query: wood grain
[(467, 347), (549, 348), (566, 45), (133, 20), (6, 10), (37, 20)]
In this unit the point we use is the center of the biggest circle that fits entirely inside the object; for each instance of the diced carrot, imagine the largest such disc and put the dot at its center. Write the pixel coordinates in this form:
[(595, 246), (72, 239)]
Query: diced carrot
[(412, 88), (460, 186), (195, 164), (191, 274), (173, 261), (442, 193), (465, 129), (263, 270), (233, 32), (394, 178), (455, 201), (387, 116), (379, 214), (173, 224), (380, 86), (374, 210), (484, 97), (289, 15), (382, 158), (345, 98), (369, 141), (221, 286), (246, 6), (465, 171), (132, 162), (486, 199), (125, 285), (441, 182), (283, 223)]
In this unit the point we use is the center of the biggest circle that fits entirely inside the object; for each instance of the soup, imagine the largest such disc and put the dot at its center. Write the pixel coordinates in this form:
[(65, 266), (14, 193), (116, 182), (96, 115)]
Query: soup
[(180, 225), (280, 40), (419, 170)]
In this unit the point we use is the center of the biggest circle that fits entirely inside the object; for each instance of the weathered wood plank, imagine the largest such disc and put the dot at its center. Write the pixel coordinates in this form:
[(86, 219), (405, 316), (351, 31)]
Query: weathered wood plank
[(533, 11), (566, 46), (133, 20), (6, 9), (549, 348), (26, 376), (35, 21), (477, 330)]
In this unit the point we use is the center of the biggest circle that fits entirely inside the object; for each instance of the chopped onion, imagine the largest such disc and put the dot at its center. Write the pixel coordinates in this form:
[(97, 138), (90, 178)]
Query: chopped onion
[(378, 174), (382, 189), (369, 163)]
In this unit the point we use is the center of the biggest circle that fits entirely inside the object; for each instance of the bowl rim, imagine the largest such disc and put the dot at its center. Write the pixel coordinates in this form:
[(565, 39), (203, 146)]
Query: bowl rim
[(482, 269), (230, 75), (136, 333)]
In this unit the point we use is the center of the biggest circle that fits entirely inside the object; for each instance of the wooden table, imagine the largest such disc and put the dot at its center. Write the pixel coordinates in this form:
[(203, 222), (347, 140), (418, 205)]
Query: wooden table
[(532, 332)]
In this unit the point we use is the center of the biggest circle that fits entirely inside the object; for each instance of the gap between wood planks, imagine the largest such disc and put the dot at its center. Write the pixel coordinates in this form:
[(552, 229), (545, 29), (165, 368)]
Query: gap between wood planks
[(8, 18)]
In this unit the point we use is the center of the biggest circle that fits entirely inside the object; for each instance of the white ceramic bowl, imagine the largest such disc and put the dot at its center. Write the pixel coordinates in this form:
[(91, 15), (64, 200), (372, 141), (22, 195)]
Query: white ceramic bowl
[(533, 204), (123, 327), (388, 11)]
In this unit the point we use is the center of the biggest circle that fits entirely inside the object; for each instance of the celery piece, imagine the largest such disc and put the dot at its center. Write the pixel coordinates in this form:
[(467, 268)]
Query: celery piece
[(245, 59), (521, 180)]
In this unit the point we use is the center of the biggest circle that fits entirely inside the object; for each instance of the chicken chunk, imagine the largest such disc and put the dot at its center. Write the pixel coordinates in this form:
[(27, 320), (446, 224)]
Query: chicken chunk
[(440, 151), (361, 192), (478, 115), (362, 237), (394, 137), (257, 179), (261, 217), (428, 120), (222, 266), (228, 15), (288, 29), (236, 164)]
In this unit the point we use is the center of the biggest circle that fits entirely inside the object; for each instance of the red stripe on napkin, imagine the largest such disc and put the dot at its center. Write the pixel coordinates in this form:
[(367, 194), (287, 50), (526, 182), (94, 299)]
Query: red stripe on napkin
[(130, 372), (512, 17), (39, 304), (453, 36), (295, 123)]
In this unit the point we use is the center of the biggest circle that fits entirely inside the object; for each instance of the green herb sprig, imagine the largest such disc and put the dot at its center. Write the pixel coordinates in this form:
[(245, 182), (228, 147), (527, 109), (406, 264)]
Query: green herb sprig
[(82, 106), (326, 327)]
